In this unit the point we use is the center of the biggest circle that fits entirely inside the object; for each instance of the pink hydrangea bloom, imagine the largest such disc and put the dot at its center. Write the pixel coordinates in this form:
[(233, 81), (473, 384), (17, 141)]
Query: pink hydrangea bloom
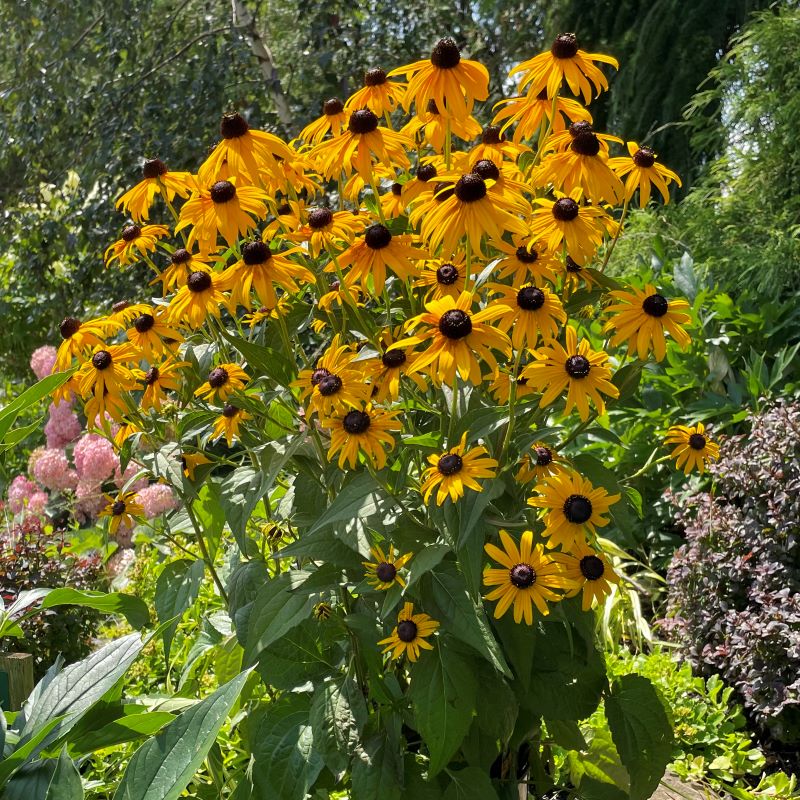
[(124, 536), (120, 479), (94, 458), (63, 426), (37, 503), (157, 499), (90, 500), (33, 457), (42, 360), (120, 563), (52, 470), (19, 490)]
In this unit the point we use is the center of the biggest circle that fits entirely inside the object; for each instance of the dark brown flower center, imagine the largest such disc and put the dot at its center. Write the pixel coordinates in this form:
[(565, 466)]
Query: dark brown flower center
[(655, 305), (318, 374), (585, 144), (407, 630), (426, 172), (442, 191), (544, 456), (565, 46), (579, 128), (572, 265), (377, 237), (181, 256), (644, 157), (447, 274), (397, 189), (118, 509), (230, 411), (375, 77), (487, 169), (522, 576), (329, 384), (153, 167), (356, 422), (199, 282), (152, 375), (578, 509), (144, 323), (102, 360), (577, 366), (697, 441), (470, 188), (565, 209), (131, 232), (69, 327), (526, 256), (319, 218), (333, 107), (393, 358), (120, 305), (530, 298), (455, 324), (386, 572), (283, 209), (217, 377), (592, 568), (445, 54), (233, 126), (450, 464), (362, 121), (255, 253), (223, 192), (492, 135)]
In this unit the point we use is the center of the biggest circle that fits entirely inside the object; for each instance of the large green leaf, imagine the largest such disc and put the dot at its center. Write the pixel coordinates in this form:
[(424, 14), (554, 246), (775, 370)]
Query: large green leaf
[(641, 732), (358, 498), (66, 783), (338, 714), (132, 608), (296, 658), (264, 360), (29, 397), (163, 766), (377, 771), (470, 784), (24, 751), (209, 512), (443, 693), (126, 728), (177, 587)]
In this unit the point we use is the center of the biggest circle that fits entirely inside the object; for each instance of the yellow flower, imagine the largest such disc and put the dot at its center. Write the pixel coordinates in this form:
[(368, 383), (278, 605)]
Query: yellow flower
[(540, 463), (385, 372), (124, 432), (453, 83), (565, 221), (493, 146), (410, 634), (533, 114), (640, 318), (326, 228), (364, 431), (571, 505), (392, 203), (104, 378), (577, 368), (263, 313), (122, 510), (643, 171), (547, 70), (79, 337), (379, 95), (158, 380), (500, 387), (430, 126), (383, 571), (455, 470), (456, 335), (527, 579), (333, 121), (191, 461), (182, 264), (135, 239), (222, 381), (444, 277), (156, 179), (227, 424), (526, 261), (423, 181), (588, 570), (694, 449), (152, 334), (529, 312), (200, 298)]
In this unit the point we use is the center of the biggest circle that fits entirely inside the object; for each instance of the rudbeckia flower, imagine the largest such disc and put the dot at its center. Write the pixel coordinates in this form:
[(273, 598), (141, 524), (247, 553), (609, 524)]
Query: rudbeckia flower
[(392, 203), (443, 277), (200, 298), (430, 127), (410, 634), (693, 447), (156, 178), (526, 261), (529, 312), (125, 313), (640, 318), (493, 146), (532, 115), (577, 368), (455, 335), (135, 240), (456, 470), (158, 380), (500, 387), (105, 377), (326, 228), (528, 578), (453, 83), (333, 121), (565, 221), (222, 381), (364, 431), (573, 275), (547, 71), (383, 571), (538, 464), (228, 422), (378, 94), (79, 337), (152, 334), (122, 510), (588, 571), (572, 505), (191, 461), (181, 264), (385, 371), (643, 172), (423, 181)]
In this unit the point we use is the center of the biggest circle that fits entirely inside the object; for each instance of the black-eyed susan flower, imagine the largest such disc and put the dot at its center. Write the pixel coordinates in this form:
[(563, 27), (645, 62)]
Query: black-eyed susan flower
[(290, 215), (443, 277), (423, 180), (529, 577), (228, 422), (182, 263), (322, 611), (500, 387), (367, 258), (567, 222), (80, 337), (379, 94), (586, 571), (572, 506), (105, 377), (547, 71), (526, 261), (199, 299), (642, 173), (125, 313), (259, 271), (693, 449), (366, 431), (333, 121), (383, 571), (583, 372), (529, 312), (191, 461), (338, 295), (455, 470), (263, 313), (386, 370), (539, 463), (158, 380), (221, 208), (532, 115), (429, 127), (410, 634), (135, 242), (563, 141), (122, 510), (392, 203), (156, 179), (326, 228), (222, 381), (451, 82), (153, 334), (124, 432), (456, 339), (574, 274), (355, 148), (640, 317), (493, 146)]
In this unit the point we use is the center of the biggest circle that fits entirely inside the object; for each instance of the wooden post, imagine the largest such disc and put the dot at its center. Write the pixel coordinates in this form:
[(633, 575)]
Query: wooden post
[(16, 679)]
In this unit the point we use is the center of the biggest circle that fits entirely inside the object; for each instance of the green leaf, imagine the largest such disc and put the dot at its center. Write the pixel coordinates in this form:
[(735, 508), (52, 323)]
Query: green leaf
[(264, 360), (443, 693), (132, 608), (377, 772), (323, 545), (470, 784), (66, 783), (424, 561), (163, 766), (286, 763), (177, 587), (295, 659), (415, 784), (360, 497), (119, 731), (497, 704), (566, 733), (338, 713), (208, 508), (31, 396), (641, 732), (24, 751)]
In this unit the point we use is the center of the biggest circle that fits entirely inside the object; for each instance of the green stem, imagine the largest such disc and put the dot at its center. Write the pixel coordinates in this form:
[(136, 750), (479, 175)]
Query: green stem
[(201, 543), (618, 234)]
